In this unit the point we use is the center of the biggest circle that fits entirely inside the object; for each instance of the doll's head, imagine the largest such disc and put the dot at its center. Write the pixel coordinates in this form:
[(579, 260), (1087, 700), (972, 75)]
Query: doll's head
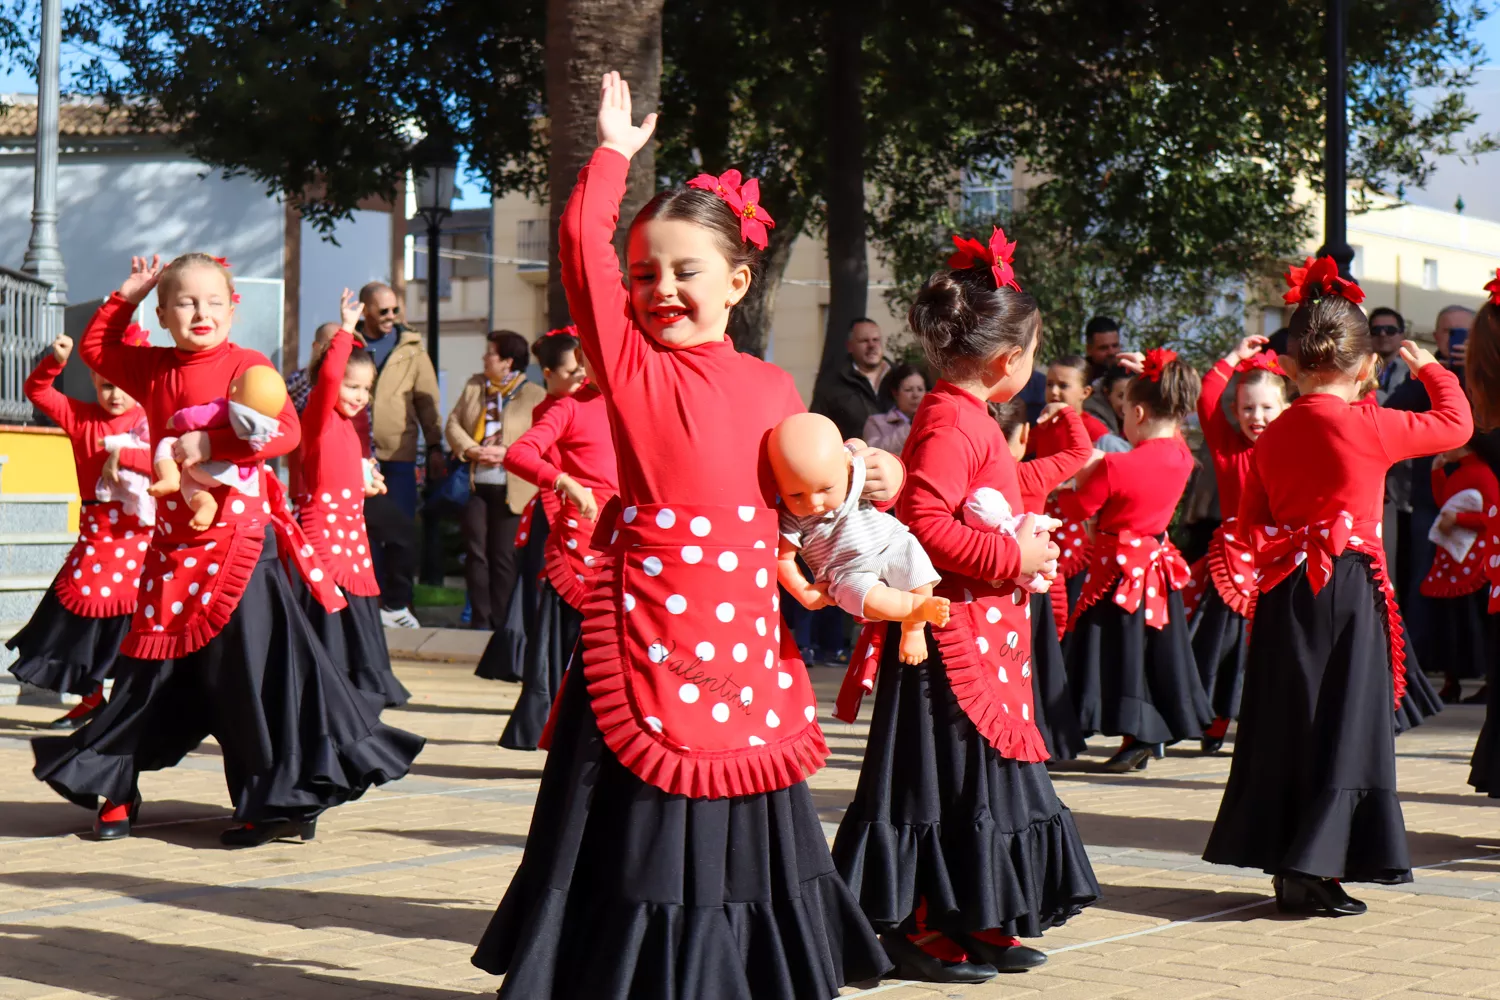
[(260, 388), (195, 301), (1162, 395), (976, 334), (1068, 381), (1259, 398), (810, 464), (112, 399)]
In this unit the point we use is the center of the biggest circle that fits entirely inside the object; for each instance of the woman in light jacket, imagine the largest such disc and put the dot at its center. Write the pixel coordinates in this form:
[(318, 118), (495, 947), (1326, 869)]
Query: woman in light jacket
[(902, 388)]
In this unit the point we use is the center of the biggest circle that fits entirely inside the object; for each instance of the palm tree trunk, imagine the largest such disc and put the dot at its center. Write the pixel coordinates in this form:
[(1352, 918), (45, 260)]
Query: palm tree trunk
[(585, 39), (848, 265)]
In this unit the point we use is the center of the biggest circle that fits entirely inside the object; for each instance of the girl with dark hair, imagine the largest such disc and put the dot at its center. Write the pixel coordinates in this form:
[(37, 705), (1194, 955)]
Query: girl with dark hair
[(1222, 598), (903, 388), (675, 850), (956, 843), (1455, 585), (1482, 371), (1311, 798), (1130, 662)]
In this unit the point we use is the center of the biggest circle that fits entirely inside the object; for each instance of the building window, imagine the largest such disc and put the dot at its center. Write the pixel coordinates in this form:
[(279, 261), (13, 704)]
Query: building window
[(986, 191), (531, 242), (1429, 274), (1357, 265)]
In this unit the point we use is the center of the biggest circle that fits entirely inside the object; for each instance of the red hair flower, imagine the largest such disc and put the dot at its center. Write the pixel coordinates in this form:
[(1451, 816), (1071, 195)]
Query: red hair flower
[(136, 336), (743, 198), (1317, 278), (1156, 362), (234, 297), (1265, 359), (1493, 287), (222, 262), (571, 330), (998, 255)]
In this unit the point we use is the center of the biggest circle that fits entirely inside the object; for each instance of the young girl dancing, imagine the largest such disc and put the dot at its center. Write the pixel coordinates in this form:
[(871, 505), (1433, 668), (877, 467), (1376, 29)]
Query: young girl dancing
[(73, 637), (1311, 797), (505, 655), (1130, 662), (674, 849), (568, 453), (1455, 586), (218, 641), (1067, 382), (956, 842), (1220, 621), (331, 512)]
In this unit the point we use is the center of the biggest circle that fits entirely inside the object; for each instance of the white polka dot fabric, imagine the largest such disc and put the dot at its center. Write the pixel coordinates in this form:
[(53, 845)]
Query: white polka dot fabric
[(335, 528), (101, 575)]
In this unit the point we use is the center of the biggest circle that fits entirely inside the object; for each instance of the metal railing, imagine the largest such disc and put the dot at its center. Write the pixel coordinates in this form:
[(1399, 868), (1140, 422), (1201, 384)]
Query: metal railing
[(28, 325), (531, 242)]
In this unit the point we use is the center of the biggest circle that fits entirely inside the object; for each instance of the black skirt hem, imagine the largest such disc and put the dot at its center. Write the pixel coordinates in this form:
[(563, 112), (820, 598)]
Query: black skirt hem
[(60, 650), (1343, 825)]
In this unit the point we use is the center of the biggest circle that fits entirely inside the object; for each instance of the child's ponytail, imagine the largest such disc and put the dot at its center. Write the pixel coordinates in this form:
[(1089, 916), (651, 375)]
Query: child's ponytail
[(1167, 386)]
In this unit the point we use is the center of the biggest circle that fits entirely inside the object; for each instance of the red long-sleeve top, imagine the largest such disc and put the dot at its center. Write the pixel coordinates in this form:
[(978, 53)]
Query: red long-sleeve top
[(1473, 473), (87, 424), (693, 421), (954, 448), (571, 436), (1324, 456), (1136, 490), (1053, 436), (1069, 448), (331, 456), (166, 379), (1230, 449)]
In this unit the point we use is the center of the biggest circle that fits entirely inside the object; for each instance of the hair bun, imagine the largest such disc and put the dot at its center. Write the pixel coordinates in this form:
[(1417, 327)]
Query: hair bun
[(941, 309)]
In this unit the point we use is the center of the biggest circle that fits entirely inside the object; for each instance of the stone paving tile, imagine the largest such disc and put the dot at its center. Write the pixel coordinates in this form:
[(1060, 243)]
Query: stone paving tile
[(389, 899)]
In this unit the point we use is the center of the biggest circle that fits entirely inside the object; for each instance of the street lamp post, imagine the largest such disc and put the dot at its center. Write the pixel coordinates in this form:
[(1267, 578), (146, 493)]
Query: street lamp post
[(435, 189), (1335, 144), (43, 258)]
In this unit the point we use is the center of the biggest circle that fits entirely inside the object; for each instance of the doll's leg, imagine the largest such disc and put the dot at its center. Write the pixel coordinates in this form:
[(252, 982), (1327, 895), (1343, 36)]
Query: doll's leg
[(916, 607), (202, 503), (914, 633), (168, 476)]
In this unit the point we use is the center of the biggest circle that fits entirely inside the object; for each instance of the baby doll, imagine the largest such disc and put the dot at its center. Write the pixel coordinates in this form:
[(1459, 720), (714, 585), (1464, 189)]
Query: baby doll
[(863, 560), (253, 409), (987, 509), (122, 484)]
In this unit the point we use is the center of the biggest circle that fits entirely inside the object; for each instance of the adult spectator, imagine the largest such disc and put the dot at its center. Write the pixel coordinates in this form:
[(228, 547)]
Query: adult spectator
[(405, 399), (902, 390), (1387, 330), (849, 395), (1101, 342), (492, 411)]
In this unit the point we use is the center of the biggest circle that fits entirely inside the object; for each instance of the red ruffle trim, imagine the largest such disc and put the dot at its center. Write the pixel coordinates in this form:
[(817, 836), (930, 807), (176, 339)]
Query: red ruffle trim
[(699, 775), (1058, 595), (1222, 577), (234, 576), (973, 684), (1392, 626), (121, 601)]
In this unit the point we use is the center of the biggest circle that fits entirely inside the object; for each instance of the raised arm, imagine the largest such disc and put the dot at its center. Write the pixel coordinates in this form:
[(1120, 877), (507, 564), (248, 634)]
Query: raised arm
[(103, 346), (1040, 476), (1446, 426), (526, 457), (44, 395), (325, 391), (941, 468), (1217, 430)]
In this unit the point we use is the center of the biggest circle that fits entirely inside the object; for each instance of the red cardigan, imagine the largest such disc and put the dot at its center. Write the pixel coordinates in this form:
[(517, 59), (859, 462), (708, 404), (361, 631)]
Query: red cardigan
[(570, 436), (87, 424), (332, 461), (1068, 448), (1136, 490)]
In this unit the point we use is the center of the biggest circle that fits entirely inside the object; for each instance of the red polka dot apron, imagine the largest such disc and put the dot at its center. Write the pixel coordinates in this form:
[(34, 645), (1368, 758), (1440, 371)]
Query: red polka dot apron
[(542, 504), (334, 523), (986, 649), (570, 558), (101, 575), (1228, 567), (1279, 550), (1072, 540), (193, 580), (696, 687), (1147, 570), (1451, 576), (1491, 563)]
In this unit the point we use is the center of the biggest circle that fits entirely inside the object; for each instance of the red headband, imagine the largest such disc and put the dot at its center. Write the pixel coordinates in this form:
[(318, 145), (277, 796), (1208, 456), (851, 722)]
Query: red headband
[(998, 255), (136, 336), (1156, 363), (1317, 278), (1493, 287), (571, 330), (1264, 360), (744, 199)]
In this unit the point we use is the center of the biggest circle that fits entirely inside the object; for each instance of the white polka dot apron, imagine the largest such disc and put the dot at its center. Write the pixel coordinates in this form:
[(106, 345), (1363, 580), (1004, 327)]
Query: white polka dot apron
[(1491, 561), (101, 575), (1451, 576), (986, 649), (696, 687), (334, 523), (571, 559), (1147, 570), (1073, 543), (1228, 567), (193, 580), (1281, 549)]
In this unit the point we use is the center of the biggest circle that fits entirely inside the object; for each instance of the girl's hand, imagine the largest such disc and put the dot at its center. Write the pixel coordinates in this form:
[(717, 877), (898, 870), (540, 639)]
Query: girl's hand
[(814, 596), (350, 311), (193, 448), (111, 471), (1051, 412), (144, 274), (1132, 361), (582, 497), (1036, 547), (62, 348), (1446, 520), (1247, 348), (884, 474), (615, 129), (1416, 357)]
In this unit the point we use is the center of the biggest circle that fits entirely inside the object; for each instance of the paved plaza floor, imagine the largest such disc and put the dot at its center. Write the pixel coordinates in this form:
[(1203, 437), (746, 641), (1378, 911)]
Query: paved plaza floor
[(390, 897)]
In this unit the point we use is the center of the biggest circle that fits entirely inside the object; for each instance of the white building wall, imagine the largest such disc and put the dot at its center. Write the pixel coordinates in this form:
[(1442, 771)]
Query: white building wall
[(363, 254)]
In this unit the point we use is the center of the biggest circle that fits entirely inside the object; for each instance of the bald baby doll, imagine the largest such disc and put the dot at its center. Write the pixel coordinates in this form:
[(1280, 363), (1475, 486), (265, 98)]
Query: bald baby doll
[(863, 560)]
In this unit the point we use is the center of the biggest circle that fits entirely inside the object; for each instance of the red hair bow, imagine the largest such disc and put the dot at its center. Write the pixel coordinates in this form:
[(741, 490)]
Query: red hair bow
[(571, 330), (998, 255), (221, 261), (1265, 359), (136, 336), (1156, 362), (1493, 287), (1317, 278), (743, 198)]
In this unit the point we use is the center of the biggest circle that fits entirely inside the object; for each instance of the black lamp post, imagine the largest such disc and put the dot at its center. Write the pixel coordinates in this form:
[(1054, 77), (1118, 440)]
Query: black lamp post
[(435, 188), (1335, 145)]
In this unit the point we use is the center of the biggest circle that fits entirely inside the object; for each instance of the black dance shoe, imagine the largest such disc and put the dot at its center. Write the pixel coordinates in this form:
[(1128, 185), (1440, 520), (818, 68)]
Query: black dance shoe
[(120, 828), (1132, 758), (1211, 745), (1323, 897), (1005, 958), (1451, 692), (913, 963), (71, 721), (256, 834)]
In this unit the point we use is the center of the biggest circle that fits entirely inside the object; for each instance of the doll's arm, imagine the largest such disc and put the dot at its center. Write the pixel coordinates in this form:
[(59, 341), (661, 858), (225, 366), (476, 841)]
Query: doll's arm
[(789, 575)]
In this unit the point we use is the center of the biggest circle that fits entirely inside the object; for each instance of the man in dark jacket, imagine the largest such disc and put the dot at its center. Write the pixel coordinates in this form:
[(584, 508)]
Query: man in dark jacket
[(848, 394)]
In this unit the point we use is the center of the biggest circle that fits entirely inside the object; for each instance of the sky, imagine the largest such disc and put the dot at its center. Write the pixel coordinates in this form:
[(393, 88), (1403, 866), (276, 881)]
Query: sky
[(1474, 181)]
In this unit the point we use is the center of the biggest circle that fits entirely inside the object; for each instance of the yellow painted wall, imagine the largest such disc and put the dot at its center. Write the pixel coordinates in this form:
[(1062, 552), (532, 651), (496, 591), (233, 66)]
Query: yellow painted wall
[(39, 461)]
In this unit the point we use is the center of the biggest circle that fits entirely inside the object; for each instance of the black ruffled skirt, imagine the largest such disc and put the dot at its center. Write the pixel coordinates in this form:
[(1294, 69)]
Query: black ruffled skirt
[(296, 737), (1312, 789), (1221, 646), (63, 651), (1421, 701), (1484, 766), (504, 656), (1460, 635), (355, 640), (626, 891), (1053, 709), (1134, 680), (938, 815), (548, 651)]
